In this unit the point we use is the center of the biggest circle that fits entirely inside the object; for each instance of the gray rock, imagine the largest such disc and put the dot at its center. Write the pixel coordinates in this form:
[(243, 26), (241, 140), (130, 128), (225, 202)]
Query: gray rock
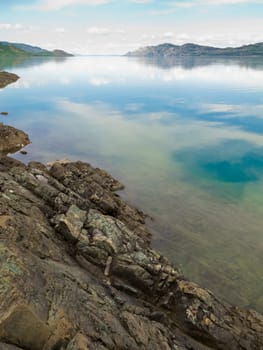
[(70, 225)]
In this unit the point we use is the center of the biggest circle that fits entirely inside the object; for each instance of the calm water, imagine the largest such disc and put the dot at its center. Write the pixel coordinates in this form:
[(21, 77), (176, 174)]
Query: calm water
[(186, 138)]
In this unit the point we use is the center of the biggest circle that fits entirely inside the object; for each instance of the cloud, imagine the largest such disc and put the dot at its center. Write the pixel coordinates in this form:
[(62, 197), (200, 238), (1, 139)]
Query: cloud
[(168, 34), (99, 81), (188, 4), (231, 111), (230, 2), (141, 1), (60, 30), (173, 6), (8, 26), (53, 5), (98, 30)]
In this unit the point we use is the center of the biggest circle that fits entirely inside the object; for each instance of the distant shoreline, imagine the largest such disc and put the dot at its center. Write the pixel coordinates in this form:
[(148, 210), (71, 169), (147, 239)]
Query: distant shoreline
[(194, 50)]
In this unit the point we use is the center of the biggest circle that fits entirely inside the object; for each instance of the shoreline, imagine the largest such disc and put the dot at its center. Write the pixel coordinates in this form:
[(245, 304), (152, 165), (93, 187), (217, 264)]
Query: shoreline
[(79, 271), (72, 233)]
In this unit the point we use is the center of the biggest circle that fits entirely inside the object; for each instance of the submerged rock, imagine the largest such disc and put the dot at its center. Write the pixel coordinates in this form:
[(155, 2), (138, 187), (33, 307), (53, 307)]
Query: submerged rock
[(78, 272)]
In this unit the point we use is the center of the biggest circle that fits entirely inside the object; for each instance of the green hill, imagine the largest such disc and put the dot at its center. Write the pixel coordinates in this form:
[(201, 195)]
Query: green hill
[(16, 49)]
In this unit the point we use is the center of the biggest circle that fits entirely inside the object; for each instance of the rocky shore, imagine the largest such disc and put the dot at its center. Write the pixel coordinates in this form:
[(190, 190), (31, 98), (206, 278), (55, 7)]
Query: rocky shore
[(78, 271)]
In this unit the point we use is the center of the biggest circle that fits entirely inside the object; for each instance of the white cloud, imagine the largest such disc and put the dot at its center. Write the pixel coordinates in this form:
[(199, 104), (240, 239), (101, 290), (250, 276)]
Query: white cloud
[(184, 4), (188, 4), (98, 30), (99, 81), (173, 6), (168, 34), (5, 25), (141, 1), (229, 2), (60, 30), (53, 5), (231, 111), (8, 26)]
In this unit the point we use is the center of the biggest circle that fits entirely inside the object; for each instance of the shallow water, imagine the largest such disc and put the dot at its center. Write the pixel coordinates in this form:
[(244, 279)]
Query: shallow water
[(185, 137)]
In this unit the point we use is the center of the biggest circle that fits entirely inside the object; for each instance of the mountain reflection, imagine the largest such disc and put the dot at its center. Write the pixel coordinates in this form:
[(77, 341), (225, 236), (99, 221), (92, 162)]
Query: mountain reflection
[(191, 62), (9, 62)]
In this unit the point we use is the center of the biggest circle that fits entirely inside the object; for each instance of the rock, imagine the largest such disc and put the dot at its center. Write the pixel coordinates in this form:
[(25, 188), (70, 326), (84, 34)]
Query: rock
[(4, 346), (79, 342), (11, 139), (4, 113), (23, 152), (23, 328), (78, 274), (70, 225), (7, 78)]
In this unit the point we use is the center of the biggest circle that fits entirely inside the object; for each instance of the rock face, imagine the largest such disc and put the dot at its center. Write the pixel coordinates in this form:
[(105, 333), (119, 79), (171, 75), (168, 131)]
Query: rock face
[(78, 272), (11, 139), (7, 78)]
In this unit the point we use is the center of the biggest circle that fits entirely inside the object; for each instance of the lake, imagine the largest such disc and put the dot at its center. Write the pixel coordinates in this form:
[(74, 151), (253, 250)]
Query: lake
[(185, 137)]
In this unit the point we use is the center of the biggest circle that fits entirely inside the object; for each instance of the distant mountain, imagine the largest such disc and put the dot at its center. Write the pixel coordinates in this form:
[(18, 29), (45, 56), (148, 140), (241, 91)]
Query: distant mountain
[(170, 50), (15, 49)]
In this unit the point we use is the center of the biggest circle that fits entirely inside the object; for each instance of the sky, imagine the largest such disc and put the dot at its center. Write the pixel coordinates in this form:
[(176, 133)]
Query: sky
[(119, 26)]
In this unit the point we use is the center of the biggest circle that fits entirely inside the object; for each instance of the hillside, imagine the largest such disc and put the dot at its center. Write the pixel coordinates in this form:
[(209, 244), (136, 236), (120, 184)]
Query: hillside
[(15, 49), (170, 50)]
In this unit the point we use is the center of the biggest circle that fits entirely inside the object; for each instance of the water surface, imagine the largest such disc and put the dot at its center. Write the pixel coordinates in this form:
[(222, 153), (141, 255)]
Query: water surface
[(186, 138)]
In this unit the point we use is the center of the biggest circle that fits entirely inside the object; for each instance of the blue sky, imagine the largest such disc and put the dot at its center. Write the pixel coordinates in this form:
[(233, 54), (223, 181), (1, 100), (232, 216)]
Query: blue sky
[(117, 26)]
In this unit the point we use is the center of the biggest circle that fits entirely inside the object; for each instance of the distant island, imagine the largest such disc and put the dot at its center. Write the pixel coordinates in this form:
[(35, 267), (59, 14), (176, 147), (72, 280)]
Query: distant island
[(8, 49), (170, 50)]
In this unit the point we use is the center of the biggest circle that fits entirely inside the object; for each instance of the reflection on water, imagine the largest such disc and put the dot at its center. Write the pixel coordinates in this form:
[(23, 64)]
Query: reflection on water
[(187, 143), (9, 62), (237, 162), (190, 62)]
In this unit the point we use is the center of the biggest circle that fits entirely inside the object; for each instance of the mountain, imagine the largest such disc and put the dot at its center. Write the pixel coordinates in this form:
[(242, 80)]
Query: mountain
[(14, 49), (170, 50)]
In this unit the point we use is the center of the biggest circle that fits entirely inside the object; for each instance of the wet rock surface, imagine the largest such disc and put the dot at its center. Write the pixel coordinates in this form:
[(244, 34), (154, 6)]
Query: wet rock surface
[(7, 78), (11, 139), (78, 272)]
